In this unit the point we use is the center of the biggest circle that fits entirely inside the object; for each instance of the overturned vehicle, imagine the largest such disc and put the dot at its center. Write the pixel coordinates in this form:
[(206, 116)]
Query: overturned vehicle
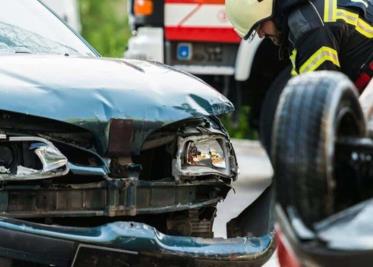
[(322, 154), (108, 162)]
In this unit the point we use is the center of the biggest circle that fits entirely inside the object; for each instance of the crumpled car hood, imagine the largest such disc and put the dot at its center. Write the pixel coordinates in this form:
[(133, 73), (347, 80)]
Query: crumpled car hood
[(89, 92)]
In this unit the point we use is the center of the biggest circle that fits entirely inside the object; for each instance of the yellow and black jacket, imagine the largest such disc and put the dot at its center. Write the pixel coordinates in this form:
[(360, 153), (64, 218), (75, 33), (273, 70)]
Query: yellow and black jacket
[(332, 35)]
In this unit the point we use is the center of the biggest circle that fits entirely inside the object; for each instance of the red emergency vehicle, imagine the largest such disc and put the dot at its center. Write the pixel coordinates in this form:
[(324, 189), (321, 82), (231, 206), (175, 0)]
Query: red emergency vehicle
[(196, 36)]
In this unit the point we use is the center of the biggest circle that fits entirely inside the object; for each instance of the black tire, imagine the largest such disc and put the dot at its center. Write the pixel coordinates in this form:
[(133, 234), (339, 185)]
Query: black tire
[(268, 110), (314, 110)]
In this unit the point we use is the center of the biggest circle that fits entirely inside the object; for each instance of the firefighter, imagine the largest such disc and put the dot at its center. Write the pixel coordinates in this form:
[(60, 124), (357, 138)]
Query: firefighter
[(316, 34)]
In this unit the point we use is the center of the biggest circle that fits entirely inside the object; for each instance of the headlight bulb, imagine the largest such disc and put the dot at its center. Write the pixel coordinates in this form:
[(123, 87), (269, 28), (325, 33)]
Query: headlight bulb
[(205, 153)]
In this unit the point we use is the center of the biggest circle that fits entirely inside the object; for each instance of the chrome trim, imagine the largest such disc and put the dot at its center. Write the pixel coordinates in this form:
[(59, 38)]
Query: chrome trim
[(53, 161)]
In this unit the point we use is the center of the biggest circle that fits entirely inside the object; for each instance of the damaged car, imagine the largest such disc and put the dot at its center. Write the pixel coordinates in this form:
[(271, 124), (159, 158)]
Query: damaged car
[(322, 155), (109, 162)]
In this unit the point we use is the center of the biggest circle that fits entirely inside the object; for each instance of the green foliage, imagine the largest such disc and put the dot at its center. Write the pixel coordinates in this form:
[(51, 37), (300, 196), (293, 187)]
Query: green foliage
[(238, 124), (105, 25)]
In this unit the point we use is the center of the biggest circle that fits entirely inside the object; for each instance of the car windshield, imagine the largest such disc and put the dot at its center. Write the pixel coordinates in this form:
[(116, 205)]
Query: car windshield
[(28, 27)]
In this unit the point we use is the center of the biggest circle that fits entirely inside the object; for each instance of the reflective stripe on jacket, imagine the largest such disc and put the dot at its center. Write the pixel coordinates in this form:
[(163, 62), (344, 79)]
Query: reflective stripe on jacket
[(332, 35)]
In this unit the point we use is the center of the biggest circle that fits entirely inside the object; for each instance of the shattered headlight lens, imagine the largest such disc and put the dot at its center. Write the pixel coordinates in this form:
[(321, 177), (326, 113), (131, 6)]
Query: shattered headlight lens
[(50, 157), (204, 155), (40, 160), (208, 153)]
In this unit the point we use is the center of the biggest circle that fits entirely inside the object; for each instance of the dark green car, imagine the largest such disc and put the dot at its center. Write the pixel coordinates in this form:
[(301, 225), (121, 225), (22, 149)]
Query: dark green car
[(108, 162)]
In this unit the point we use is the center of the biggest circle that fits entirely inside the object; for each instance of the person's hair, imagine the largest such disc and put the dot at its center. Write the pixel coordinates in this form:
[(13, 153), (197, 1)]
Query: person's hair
[(281, 9), (280, 21)]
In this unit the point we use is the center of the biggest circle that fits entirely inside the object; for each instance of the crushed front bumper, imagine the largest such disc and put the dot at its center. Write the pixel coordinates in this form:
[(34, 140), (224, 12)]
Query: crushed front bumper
[(124, 244)]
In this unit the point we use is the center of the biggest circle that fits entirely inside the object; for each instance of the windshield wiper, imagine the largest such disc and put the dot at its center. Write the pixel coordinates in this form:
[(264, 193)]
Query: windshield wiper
[(21, 50)]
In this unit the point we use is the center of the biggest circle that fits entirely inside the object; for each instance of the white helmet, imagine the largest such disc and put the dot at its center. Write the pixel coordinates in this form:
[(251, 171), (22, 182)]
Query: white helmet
[(245, 15)]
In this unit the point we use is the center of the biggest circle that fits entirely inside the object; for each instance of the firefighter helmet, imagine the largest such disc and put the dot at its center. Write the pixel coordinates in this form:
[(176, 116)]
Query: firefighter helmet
[(245, 15)]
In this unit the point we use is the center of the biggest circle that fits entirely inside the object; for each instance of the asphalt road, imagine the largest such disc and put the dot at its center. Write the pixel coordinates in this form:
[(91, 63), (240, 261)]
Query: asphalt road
[(255, 176)]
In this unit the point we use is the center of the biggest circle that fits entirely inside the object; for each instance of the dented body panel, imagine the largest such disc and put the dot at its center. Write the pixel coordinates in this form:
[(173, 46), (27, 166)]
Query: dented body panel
[(109, 162), (90, 92), (135, 243)]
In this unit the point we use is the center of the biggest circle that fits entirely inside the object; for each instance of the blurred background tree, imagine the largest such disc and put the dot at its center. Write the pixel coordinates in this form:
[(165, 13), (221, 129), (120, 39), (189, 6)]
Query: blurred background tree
[(239, 127), (105, 25)]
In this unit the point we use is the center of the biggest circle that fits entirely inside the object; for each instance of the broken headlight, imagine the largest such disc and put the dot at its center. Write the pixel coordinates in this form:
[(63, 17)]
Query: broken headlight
[(204, 155), (207, 153), (30, 158)]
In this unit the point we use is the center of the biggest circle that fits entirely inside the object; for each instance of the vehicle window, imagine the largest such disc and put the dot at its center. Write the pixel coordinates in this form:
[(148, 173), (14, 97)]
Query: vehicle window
[(28, 27)]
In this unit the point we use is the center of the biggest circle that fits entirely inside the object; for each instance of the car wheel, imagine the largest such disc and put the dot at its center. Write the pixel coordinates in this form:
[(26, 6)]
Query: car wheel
[(315, 109)]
